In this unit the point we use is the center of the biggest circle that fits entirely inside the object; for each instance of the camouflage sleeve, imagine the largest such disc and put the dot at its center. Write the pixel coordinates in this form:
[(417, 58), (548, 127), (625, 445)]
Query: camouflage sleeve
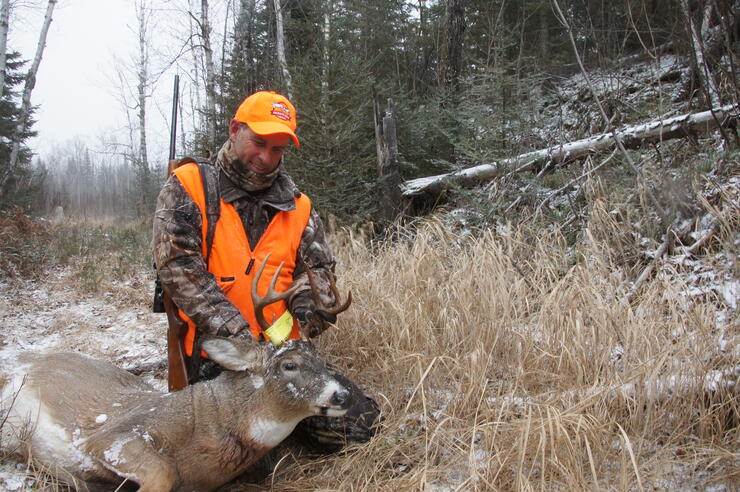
[(176, 244), (314, 252)]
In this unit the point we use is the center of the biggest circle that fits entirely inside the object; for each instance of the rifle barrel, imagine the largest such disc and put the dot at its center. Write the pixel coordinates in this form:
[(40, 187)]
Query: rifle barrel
[(173, 128)]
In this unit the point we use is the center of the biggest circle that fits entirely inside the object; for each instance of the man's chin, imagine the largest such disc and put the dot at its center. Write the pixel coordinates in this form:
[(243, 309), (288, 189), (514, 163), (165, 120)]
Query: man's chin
[(261, 171)]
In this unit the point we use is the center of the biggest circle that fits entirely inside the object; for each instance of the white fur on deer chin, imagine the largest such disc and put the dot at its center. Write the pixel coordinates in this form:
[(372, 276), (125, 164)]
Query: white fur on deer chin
[(270, 433)]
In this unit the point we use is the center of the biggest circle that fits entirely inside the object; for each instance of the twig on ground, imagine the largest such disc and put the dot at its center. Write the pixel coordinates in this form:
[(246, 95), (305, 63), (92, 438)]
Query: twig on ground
[(572, 182), (706, 237), (659, 254), (529, 185)]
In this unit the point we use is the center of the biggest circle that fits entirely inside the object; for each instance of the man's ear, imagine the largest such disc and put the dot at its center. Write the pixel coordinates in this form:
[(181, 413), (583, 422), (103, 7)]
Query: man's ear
[(233, 128)]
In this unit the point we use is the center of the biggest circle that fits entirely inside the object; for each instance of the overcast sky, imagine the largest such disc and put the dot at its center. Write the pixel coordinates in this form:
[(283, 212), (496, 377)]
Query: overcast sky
[(76, 88)]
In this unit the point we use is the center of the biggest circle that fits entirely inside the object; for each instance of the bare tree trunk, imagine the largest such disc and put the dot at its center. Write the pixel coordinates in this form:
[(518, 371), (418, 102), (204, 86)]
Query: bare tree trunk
[(142, 13), (702, 68), (194, 90), (25, 110), (282, 61), (244, 40), (543, 44), (326, 31), (453, 53), (129, 153), (4, 16), (205, 29), (389, 176)]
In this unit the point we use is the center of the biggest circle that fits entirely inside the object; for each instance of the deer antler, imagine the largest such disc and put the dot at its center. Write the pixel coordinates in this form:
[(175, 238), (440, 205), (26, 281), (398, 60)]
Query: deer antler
[(261, 302), (334, 290)]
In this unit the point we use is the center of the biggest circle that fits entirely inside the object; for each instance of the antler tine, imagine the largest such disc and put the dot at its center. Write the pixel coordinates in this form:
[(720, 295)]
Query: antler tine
[(260, 302), (334, 290)]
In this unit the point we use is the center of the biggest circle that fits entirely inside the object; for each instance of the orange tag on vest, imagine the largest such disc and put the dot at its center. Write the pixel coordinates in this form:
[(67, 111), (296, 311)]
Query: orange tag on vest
[(280, 329)]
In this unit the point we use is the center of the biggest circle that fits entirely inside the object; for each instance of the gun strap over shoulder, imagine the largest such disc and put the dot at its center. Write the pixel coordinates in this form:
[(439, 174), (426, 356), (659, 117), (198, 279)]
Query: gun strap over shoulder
[(209, 181), (213, 204)]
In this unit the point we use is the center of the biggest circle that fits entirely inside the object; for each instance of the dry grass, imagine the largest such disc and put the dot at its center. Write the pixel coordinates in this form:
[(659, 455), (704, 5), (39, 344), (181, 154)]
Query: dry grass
[(500, 366), (511, 361)]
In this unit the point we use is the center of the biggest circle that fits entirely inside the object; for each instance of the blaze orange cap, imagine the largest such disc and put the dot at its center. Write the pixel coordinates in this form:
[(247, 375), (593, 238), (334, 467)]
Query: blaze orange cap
[(268, 113)]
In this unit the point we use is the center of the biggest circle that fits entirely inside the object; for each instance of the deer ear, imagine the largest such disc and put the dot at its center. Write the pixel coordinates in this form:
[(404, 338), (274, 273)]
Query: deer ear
[(231, 355)]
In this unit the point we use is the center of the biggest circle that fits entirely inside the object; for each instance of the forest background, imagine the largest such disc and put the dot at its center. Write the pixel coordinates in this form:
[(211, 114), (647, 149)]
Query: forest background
[(563, 320), (469, 81)]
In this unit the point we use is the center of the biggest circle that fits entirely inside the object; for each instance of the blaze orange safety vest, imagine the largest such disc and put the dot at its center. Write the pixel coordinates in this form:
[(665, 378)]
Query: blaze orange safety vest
[(235, 264)]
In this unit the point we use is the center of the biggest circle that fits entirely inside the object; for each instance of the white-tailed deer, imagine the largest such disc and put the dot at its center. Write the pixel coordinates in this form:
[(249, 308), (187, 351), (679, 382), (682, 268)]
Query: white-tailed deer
[(88, 421)]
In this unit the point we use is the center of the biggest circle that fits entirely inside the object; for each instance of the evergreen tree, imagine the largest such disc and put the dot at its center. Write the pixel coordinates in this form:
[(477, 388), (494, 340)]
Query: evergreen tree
[(9, 114)]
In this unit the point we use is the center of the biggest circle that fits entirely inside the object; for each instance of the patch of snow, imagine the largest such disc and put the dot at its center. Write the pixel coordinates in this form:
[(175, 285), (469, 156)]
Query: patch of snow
[(12, 479), (113, 454), (101, 418)]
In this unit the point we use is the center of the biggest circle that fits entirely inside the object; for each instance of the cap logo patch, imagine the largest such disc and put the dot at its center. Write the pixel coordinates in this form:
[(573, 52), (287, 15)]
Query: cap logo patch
[(280, 111)]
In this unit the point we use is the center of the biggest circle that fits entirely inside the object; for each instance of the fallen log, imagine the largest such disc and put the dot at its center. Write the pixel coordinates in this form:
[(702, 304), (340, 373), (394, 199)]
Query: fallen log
[(632, 137)]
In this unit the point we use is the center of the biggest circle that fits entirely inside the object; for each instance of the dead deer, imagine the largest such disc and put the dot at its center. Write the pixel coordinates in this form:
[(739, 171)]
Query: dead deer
[(88, 421)]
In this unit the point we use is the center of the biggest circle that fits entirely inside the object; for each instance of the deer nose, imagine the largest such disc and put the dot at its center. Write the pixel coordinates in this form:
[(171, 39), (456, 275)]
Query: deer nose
[(340, 397)]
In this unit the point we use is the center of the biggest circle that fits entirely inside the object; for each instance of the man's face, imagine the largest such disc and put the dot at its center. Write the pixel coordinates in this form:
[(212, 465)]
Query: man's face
[(260, 153)]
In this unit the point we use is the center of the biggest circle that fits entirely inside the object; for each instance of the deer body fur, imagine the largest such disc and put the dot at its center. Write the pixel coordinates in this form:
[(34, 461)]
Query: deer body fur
[(88, 421)]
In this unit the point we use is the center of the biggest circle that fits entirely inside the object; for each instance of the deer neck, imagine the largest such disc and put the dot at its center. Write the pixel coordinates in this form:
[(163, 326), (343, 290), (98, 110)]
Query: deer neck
[(255, 415)]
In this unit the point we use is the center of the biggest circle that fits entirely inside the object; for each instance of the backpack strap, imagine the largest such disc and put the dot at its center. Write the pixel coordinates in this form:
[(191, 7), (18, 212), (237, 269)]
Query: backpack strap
[(209, 179)]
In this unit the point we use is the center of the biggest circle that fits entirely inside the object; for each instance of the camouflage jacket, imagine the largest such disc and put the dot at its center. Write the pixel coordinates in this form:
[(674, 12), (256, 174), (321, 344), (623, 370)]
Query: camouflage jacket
[(178, 252)]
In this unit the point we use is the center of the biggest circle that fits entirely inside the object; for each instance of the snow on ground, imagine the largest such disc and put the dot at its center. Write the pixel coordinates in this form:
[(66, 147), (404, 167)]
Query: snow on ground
[(50, 316)]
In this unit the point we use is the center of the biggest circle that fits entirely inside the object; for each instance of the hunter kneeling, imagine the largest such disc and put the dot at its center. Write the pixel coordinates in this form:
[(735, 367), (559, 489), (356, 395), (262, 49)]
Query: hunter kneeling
[(214, 227)]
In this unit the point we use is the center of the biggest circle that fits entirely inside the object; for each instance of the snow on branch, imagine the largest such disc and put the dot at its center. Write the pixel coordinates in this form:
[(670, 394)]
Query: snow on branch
[(631, 137)]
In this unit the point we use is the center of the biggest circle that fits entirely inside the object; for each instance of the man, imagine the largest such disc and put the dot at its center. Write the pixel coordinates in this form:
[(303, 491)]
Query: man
[(260, 215)]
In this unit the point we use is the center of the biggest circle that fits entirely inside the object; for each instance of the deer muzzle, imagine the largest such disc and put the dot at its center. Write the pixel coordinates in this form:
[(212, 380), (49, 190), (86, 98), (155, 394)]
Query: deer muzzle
[(333, 401)]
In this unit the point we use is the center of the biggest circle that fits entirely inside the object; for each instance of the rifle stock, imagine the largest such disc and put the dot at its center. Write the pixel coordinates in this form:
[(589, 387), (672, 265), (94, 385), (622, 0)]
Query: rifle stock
[(177, 373)]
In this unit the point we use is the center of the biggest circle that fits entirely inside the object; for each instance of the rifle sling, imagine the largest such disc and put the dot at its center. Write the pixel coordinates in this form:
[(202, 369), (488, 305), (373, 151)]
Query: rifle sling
[(213, 213)]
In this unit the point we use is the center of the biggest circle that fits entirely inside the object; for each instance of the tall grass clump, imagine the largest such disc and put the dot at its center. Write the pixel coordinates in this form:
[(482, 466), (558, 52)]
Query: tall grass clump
[(501, 362), (102, 255)]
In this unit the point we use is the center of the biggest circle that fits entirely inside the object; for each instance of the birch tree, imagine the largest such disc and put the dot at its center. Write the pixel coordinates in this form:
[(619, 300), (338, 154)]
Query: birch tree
[(325, 57), (195, 77), (143, 15), (702, 68), (205, 33), (4, 16), (25, 110), (280, 48)]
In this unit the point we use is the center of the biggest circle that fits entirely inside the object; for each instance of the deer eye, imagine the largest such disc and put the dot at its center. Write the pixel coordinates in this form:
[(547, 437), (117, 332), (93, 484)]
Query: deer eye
[(289, 366)]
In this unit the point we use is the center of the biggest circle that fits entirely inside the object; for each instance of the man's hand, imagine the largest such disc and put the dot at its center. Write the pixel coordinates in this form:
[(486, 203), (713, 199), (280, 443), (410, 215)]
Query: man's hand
[(313, 320), (240, 331)]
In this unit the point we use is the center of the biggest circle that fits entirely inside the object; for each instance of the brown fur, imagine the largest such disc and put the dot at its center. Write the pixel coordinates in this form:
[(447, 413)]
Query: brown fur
[(196, 439)]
